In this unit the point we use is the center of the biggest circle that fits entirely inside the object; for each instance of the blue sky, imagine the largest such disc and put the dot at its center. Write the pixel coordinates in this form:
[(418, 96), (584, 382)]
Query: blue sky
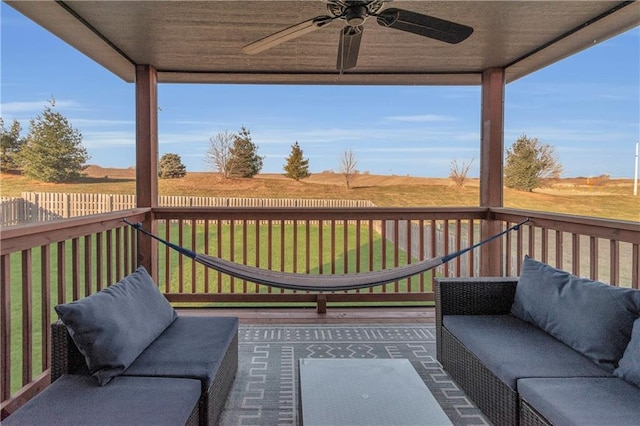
[(587, 107)]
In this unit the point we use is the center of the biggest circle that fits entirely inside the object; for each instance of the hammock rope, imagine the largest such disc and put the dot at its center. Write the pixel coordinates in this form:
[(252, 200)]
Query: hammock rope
[(318, 282)]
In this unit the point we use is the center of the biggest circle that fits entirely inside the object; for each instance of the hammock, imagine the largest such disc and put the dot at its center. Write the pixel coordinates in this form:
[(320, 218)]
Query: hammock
[(317, 282)]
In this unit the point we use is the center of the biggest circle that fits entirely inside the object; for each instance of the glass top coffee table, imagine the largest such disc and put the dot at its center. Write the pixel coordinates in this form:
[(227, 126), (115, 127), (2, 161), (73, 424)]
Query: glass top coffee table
[(365, 392)]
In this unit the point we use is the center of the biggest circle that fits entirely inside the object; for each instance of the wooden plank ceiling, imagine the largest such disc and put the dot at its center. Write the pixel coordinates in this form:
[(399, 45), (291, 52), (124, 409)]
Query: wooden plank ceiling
[(201, 41)]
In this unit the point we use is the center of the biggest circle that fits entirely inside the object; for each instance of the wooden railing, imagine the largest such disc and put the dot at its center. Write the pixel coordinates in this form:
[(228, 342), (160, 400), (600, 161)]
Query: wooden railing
[(600, 249), (44, 265), (57, 262)]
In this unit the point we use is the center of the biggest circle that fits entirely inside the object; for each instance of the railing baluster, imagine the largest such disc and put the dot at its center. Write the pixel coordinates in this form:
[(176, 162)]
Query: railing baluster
[(206, 251), (27, 317), (333, 246), (125, 252), (307, 246), (5, 326), (118, 258), (109, 257), (421, 252), (445, 244), (433, 247), (472, 231), (559, 249), (88, 275), (575, 254), (615, 263), (295, 245), (635, 265), (593, 258), (62, 273), (458, 246), (45, 294), (396, 251), (320, 249), (358, 244), (219, 251), (167, 257), (282, 246), (232, 250), (99, 262), (75, 267), (180, 259), (257, 250), (509, 244), (545, 245), (244, 252), (194, 248)]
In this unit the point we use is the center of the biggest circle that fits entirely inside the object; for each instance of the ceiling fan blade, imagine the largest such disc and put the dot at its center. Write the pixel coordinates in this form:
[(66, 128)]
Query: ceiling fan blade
[(424, 25), (287, 34), (350, 38)]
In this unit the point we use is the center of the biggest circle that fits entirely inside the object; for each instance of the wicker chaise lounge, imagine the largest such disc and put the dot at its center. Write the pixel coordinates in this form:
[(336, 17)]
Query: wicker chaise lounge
[(125, 350), (216, 382)]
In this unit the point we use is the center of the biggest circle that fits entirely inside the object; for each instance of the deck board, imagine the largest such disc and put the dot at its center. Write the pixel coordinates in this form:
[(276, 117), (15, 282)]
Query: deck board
[(408, 315)]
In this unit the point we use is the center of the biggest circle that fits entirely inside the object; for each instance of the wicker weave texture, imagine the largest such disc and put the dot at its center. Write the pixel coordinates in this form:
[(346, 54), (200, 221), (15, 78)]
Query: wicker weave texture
[(475, 296), (491, 395), (217, 394), (530, 417)]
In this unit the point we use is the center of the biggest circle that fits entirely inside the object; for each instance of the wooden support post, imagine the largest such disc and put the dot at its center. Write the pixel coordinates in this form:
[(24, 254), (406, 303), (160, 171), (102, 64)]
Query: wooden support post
[(321, 304), (147, 160), (491, 166)]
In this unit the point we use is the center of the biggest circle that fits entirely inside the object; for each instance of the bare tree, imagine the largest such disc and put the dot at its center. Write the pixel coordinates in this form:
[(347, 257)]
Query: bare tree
[(219, 155), (458, 172), (348, 166)]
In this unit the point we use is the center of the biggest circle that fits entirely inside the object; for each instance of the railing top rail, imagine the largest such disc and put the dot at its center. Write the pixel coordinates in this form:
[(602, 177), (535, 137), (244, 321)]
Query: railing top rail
[(321, 213), (617, 230), (22, 237)]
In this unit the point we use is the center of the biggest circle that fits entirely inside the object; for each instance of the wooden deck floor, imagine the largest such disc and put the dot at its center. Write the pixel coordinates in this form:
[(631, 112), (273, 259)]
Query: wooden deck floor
[(399, 315)]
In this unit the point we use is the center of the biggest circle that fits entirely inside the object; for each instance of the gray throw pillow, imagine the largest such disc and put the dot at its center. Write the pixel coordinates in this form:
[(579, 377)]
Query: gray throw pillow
[(593, 318), (629, 368), (112, 327)]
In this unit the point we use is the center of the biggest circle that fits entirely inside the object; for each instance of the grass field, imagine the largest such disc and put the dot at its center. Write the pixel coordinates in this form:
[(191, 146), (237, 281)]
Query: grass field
[(611, 199)]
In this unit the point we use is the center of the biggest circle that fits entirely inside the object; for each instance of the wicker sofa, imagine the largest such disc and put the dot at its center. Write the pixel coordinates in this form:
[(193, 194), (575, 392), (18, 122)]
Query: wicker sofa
[(539, 370), (145, 361)]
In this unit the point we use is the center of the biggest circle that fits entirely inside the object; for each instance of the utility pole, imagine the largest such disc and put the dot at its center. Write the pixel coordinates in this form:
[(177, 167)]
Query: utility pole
[(635, 175)]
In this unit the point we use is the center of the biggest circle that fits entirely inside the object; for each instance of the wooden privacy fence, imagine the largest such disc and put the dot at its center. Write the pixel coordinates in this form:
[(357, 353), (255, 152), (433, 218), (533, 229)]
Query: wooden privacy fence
[(35, 207)]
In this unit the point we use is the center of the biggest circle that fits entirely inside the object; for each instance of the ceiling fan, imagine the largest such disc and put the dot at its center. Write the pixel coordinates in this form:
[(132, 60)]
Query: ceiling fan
[(355, 13)]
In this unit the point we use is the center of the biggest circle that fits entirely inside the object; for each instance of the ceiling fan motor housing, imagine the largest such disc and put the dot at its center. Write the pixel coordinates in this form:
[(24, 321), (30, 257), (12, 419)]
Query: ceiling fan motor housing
[(355, 15)]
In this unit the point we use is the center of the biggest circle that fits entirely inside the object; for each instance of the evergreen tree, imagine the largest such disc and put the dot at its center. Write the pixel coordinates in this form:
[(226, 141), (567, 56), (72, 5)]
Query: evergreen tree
[(53, 150), (10, 145), (528, 163), (244, 161), (171, 167), (297, 167)]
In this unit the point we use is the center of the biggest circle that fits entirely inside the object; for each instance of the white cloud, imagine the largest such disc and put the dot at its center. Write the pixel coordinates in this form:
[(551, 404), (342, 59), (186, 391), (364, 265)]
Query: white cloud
[(424, 118), (12, 108)]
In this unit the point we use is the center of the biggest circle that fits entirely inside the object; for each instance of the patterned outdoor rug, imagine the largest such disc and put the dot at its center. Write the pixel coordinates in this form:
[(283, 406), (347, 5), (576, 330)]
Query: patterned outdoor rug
[(265, 388)]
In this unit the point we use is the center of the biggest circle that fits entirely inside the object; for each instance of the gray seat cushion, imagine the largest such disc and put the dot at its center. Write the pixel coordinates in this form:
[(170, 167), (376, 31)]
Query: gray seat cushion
[(190, 347), (78, 400), (583, 401), (592, 317), (513, 349)]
